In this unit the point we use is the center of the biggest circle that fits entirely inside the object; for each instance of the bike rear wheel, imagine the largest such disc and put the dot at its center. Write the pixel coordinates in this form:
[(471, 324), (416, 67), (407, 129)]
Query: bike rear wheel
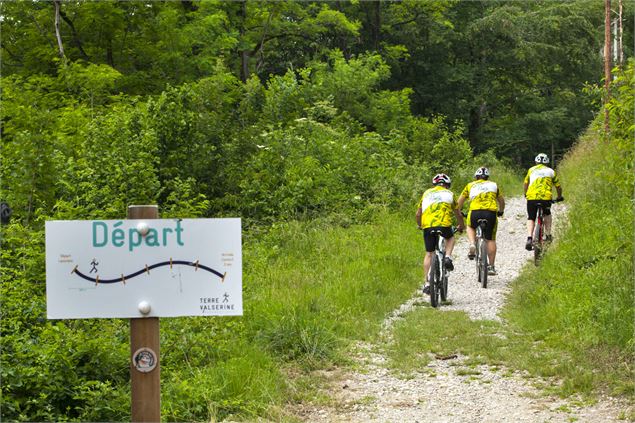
[(477, 258), (444, 285), (483, 263), (537, 239), (435, 281)]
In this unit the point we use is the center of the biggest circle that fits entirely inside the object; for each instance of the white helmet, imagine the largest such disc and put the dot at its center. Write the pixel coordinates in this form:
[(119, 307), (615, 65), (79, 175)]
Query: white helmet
[(482, 172), (441, 178), (542, 158)]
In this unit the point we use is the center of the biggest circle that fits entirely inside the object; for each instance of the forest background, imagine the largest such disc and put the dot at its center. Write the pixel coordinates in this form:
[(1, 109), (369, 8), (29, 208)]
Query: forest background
[(287, 114)]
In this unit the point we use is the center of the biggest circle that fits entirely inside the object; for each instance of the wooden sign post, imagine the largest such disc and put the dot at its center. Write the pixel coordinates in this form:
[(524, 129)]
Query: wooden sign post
[(145, 371)]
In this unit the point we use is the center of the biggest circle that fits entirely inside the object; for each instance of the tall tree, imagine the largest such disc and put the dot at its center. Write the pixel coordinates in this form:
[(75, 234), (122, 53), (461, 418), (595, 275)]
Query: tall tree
[(607, 62)]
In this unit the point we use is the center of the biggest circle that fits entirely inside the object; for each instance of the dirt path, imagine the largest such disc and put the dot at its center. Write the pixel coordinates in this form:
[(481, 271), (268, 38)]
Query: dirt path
[(443, 393)]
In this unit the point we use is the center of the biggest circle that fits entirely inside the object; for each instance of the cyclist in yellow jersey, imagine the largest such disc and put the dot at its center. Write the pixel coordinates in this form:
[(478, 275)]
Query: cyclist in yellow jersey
[(435, 210), (486, 202), (539, 183)]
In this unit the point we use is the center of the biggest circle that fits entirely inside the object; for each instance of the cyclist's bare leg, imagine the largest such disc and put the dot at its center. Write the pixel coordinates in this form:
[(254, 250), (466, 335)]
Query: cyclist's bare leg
[(491, 252), (426, 265), (530, 228), (449, 246), (547, 221), (471, 235)]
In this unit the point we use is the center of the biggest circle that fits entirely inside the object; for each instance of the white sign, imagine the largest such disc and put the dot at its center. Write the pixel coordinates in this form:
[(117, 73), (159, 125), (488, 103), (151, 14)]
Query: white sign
[(143, 268)]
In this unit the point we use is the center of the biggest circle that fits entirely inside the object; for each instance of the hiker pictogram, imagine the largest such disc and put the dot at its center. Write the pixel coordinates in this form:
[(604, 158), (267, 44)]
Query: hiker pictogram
[(94, 263)]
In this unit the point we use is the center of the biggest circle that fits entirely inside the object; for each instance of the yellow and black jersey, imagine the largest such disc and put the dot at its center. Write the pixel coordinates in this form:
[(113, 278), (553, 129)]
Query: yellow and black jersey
[(437, 206), (541, 180), (482, 194)]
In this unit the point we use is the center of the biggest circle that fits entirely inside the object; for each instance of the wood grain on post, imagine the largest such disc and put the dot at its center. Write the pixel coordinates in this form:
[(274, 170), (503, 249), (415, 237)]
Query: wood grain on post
[(144, 333)]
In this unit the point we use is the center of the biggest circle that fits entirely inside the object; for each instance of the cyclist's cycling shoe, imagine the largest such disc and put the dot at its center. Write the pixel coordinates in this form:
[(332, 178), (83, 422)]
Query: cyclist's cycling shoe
[(528, 245), (548, 238), (472, 253), (491, 271), (447, 262), (426, 289)]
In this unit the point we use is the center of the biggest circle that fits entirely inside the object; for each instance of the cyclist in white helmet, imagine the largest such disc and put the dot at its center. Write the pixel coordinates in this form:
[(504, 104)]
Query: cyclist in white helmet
[(539, 183), (434, 211), (486, 202)]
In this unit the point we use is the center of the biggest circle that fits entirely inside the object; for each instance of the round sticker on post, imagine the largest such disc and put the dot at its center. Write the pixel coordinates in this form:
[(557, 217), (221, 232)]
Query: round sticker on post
[(144, 360)]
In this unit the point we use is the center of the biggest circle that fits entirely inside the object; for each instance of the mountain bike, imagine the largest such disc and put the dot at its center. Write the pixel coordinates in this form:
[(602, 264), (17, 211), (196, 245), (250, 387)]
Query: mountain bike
[(481, 253), (438, 275), (538, 242)]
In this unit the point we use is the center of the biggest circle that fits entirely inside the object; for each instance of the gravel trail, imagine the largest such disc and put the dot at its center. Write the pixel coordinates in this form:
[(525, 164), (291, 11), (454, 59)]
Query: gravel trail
[(370, 393)]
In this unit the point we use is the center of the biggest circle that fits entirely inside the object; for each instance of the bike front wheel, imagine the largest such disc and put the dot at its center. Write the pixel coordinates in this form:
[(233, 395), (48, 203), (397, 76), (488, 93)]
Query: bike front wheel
[(444, 287), (537, 241), (483, 263), (435, 281)]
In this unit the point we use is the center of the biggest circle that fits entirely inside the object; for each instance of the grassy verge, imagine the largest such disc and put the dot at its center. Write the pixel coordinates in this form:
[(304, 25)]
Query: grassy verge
[(309, 287)]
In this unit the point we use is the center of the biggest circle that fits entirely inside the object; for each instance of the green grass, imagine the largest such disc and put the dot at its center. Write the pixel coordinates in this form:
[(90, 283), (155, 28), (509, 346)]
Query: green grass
[(318, 286)]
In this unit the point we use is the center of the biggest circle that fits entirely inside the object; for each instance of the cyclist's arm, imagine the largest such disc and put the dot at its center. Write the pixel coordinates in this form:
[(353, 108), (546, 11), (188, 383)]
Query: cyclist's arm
[(459, 203), (559, 191), (501, 203), (525, 186), (418, 216), (459, 219)]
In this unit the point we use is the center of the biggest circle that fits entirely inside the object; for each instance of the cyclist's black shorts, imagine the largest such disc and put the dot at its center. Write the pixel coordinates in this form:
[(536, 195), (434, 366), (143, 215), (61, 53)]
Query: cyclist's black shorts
[(430, 239), (532, 208), (492, 222)]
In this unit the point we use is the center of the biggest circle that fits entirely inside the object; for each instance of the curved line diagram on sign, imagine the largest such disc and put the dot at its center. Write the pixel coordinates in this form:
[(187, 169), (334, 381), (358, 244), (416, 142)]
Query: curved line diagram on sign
[(147, 269)]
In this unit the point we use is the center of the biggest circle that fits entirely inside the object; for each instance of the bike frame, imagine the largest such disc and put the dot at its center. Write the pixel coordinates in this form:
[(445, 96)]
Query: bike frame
[(437, 275), (481, 254), (538, 234)]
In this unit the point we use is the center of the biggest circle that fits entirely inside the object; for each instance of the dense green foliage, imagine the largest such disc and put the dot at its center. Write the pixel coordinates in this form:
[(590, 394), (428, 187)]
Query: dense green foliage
[(512, 73), (287, 114)]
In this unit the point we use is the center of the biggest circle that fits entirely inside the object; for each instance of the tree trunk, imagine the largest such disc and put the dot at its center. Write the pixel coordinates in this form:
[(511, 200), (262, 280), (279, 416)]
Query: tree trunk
[(620, 49), (109, 57), (607, 64), (377, 25), (553, 154), (244, 53), (475, 122), (58, 35)]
